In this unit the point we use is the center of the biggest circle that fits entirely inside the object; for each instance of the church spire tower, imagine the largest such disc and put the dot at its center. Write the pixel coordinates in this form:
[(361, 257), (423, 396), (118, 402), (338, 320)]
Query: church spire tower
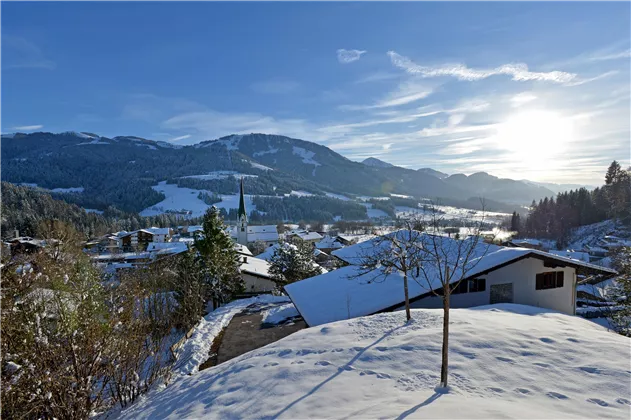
[(242, 219)]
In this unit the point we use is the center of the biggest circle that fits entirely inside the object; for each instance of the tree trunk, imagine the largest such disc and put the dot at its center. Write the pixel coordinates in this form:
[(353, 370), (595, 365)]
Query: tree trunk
[(407, 297), (445, 361)]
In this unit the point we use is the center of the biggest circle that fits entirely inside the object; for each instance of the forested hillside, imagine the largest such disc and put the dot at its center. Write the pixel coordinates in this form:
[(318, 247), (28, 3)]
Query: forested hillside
[(24, 209), (554, 218)]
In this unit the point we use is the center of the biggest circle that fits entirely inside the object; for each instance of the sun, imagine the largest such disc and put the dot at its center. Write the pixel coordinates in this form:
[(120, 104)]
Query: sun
[(535, 137)]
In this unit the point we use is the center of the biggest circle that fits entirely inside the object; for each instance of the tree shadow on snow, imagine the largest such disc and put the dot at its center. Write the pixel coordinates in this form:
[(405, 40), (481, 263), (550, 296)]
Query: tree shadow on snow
[(340, 370), (423, 404)]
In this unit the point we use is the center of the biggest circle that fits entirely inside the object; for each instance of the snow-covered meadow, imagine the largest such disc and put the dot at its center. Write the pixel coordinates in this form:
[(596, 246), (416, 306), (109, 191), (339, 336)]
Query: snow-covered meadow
[(180, 198), (506, 361)]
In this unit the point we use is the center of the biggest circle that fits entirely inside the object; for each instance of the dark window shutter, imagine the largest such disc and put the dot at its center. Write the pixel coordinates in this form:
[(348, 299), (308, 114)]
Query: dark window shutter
[(559, 278)]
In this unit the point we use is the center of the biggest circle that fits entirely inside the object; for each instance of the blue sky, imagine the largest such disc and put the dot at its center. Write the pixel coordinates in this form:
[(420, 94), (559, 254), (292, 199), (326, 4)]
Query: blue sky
[(520, 90)]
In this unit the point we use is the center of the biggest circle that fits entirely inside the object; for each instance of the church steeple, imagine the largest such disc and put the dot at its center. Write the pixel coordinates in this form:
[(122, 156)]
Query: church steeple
[(242, 220), (242, 212)]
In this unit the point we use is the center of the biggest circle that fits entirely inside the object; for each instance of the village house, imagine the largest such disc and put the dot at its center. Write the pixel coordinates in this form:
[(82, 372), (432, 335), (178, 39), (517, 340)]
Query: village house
[(306, 236), (497, 275)]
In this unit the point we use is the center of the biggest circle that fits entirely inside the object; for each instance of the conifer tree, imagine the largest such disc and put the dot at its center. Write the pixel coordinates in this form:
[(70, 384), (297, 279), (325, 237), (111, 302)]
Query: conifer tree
[(219, 259)]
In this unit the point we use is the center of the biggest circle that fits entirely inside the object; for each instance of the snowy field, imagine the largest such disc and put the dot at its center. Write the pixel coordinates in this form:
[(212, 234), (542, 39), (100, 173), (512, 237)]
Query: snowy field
[(178, 198), (506, 361), (451, 213), (220, 175)]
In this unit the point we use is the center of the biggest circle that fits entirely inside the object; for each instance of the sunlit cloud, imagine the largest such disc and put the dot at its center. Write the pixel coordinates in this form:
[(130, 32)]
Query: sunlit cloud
[(28, 127), (348, 56), (517, 71), (184, 137)]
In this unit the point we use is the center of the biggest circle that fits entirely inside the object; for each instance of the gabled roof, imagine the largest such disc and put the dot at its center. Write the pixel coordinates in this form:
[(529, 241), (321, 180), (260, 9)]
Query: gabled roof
[(346, 292), (255, 267)]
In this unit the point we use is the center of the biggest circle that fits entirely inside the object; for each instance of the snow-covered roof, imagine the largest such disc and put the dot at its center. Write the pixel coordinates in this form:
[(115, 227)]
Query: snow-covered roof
[(255, 266), (527, 241), (347, 292), (308, 236), (354, 238), (159, 231), (166, 248), (575, 255), (329, 242), (242, 249), (194, 228)]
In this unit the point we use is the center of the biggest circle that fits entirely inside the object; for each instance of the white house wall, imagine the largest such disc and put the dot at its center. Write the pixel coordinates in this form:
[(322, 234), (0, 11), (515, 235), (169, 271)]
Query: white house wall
[(523, 276), (257, 284)]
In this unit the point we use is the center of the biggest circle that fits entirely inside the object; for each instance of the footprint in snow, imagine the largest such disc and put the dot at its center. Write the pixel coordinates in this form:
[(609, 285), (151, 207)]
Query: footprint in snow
[(589, 369), (346, 367), (297, 362), (557, 396), (498, 390), (505, 359), (623, 401), (407, 348), (381, 348), (598, 401), (284, 353), (522, 390), (367, 372), (337, 350), (543, 365), (573, 340), (322, 363), (325, 330), (547, 340), (270, 364), (467, 355)]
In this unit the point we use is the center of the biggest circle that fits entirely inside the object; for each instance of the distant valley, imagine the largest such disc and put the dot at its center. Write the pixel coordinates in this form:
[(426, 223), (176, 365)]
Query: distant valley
[(96, 172)]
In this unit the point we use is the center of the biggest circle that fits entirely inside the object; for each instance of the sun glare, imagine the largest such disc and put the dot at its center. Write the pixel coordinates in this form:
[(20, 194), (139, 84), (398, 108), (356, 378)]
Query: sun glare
[(535, 137)]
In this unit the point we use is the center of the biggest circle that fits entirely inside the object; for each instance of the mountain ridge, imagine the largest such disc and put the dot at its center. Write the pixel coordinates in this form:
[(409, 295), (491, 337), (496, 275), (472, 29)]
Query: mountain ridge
[(275, 165)]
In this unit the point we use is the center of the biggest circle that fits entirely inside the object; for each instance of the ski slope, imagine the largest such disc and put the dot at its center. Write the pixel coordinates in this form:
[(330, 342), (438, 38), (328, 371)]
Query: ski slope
[(506, 361)]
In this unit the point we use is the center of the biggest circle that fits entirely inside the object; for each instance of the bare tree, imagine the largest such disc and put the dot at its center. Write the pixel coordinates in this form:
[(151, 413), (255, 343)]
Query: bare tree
[(396, 252), (447, 262), (421, 252)]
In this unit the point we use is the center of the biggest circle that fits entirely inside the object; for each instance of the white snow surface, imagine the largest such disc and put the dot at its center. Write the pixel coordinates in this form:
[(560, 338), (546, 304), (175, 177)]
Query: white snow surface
[(178, 198), (220, 175), (307, 157), (68, 190), (259, 166), (338, 196), (506, 361), (280, 313), (195, 350), (299, 194)]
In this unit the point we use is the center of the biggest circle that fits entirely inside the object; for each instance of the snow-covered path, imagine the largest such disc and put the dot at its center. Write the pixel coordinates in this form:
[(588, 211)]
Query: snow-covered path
[(506, 361)]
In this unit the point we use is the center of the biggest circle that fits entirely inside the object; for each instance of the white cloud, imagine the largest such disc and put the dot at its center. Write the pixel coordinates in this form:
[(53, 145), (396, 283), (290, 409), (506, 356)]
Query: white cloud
[(379, 76), (612, 56), (518, 71), (213, 124), (521, 99), (28, 127), (386, 146), (348, 56), (592, 79), (405, 93), (276, 87), (184, 137)]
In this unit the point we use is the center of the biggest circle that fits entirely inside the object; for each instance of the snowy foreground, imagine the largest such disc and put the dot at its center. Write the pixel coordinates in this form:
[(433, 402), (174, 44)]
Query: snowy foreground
[(506, 361)]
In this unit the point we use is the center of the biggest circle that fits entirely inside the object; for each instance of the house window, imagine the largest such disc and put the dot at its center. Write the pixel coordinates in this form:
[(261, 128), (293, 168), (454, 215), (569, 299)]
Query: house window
[(470, 286), (550, 280), (477, 285), (461, 288), (242, 229)]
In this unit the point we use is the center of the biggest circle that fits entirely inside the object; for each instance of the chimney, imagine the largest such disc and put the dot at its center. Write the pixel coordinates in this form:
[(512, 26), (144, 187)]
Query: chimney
[(245, 259)]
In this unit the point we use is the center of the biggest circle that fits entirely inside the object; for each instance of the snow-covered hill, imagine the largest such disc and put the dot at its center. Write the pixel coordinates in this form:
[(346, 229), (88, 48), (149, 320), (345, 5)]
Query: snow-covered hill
[(506, 361)]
